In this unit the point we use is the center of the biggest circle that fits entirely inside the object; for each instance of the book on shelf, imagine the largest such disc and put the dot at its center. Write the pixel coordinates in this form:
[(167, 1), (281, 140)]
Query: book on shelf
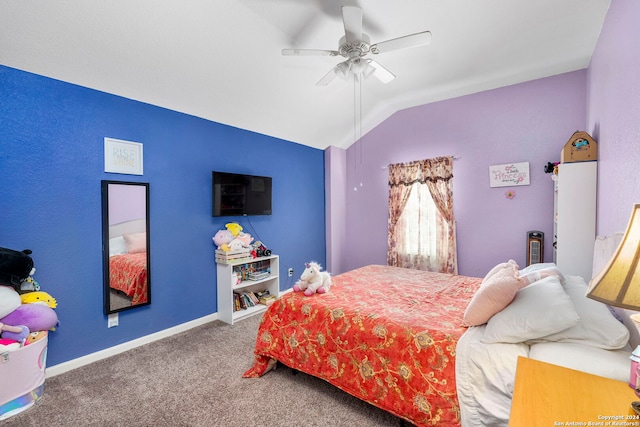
[(241, 302), (252, 297), (267, 299), (262, 293), (258, 275), (245, 299)]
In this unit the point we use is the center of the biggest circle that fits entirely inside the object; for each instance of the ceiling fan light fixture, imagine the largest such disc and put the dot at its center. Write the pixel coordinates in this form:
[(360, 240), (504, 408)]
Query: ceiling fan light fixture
[(368, 70), (355, 46), (358, 66), (343, 70)]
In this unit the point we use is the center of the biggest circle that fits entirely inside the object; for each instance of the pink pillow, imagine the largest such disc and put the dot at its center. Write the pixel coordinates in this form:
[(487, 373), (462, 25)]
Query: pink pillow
[(497, 290), (136, 242)]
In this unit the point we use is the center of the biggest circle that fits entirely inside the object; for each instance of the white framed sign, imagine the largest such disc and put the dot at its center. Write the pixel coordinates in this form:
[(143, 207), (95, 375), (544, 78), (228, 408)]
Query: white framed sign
[(122, 156), (509, 175)]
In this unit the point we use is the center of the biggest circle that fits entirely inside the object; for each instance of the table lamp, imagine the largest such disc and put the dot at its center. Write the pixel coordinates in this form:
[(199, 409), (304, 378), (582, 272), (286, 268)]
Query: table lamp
[(618, 284)]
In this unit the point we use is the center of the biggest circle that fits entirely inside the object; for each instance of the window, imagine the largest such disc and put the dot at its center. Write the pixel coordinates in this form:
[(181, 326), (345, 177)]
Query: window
[(421, 226), (418, 224)]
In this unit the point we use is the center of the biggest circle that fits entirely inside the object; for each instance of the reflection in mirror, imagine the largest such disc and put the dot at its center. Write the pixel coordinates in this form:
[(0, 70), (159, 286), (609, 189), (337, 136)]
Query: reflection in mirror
[(125, 235)]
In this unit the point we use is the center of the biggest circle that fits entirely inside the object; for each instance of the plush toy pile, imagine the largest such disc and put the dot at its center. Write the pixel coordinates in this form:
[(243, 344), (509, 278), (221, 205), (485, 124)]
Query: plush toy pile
[(26, 312), (232, 238), (313, 280)]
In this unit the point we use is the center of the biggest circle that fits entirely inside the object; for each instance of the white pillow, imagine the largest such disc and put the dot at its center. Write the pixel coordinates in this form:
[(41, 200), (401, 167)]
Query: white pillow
[(535, 272), (597, 326), (606, 363), (136, 242), (117, 246), (538, 310)]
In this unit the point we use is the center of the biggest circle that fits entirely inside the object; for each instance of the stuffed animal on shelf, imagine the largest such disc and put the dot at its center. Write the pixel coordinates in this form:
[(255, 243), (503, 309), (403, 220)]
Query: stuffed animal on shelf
[(313, 280), (222, 239), (245, 238), (234, 228), (235, 245)]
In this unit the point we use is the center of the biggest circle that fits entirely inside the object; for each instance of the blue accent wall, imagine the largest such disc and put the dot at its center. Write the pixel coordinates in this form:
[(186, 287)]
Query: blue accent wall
[(51, 165)]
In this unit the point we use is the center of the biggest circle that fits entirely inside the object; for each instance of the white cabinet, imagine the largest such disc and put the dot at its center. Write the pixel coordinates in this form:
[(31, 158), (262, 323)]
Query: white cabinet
[(575, 218), (265, 268)]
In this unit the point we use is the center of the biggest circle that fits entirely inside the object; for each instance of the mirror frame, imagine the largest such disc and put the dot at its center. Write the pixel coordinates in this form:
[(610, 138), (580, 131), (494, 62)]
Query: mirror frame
[(105, 245)]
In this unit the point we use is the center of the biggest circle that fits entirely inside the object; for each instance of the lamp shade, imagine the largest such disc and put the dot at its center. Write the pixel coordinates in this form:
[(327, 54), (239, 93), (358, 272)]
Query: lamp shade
[(618, 284)]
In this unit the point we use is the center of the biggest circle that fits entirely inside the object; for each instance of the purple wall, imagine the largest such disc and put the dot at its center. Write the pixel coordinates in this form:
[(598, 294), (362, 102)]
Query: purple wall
[(126, 203), (613, 114), (335, 208), (528, 122)]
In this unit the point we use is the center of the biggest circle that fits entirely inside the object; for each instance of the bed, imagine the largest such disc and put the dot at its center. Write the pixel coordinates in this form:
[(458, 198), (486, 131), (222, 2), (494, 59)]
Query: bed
[(128, 260), (386, 335), (395, 337), (548, 320)]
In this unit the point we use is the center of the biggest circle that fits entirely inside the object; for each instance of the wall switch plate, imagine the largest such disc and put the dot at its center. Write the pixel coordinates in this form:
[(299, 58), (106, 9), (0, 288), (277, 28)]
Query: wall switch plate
[(290, 272), (112, 320)]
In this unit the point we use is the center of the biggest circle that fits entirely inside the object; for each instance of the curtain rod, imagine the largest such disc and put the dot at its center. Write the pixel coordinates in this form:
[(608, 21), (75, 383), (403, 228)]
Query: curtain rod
[(453, 157)]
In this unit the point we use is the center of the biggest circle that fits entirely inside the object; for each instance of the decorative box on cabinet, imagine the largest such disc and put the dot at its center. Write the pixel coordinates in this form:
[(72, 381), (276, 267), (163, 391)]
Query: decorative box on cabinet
[(580, 148), (228, 283), (575, 218)]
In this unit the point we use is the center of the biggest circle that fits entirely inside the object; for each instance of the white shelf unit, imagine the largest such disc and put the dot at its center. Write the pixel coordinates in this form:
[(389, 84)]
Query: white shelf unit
[(574, 225), (226, 287)]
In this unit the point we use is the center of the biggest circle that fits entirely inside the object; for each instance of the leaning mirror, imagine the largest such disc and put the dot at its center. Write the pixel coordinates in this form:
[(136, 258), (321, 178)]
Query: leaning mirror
[(125, 237)]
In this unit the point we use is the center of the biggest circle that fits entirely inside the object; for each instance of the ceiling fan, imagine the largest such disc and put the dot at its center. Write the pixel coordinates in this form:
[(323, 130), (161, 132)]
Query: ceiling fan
[(355, 46)]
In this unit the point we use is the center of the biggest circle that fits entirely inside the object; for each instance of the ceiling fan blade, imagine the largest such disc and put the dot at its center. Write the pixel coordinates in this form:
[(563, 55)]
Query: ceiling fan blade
[(352, 18), (381, 73), (412, 40), (328, 78), (309, 52)]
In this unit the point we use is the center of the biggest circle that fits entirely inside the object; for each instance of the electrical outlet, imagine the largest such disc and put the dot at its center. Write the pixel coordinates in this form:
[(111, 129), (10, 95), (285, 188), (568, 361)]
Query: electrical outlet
[(112, 320), (290, 272)]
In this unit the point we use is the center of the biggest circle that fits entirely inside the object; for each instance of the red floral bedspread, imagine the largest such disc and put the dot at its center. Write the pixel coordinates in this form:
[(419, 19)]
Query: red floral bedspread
[(386, 335), (128, 273)]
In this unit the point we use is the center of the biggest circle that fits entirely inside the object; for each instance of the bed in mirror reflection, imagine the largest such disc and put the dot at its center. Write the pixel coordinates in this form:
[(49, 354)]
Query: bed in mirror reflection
[(126, 245)]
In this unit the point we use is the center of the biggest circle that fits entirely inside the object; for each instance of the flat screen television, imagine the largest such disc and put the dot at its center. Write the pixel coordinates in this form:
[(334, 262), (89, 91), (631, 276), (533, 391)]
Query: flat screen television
[(240, 194)]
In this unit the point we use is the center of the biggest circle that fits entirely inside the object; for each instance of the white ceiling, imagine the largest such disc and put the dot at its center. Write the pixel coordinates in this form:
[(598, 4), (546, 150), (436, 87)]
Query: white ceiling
[(220, 59)]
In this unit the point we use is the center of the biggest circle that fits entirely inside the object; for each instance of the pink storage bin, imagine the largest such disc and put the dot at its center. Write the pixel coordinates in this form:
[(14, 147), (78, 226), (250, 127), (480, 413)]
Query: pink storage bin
[(22, 375)]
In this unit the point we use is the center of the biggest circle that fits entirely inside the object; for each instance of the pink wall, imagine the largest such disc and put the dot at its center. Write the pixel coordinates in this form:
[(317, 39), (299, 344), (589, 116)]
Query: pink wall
[(528, 122), (613, 114)]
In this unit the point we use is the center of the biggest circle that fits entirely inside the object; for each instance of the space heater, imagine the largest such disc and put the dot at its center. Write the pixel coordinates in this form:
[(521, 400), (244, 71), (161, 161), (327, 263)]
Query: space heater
[(535, 247)]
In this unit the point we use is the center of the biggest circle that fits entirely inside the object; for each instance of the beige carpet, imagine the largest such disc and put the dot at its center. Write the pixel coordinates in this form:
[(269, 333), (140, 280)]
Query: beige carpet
[(195, 379)]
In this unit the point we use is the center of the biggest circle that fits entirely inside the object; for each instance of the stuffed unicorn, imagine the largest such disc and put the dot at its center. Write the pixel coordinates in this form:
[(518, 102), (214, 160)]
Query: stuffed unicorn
[(313, 280)]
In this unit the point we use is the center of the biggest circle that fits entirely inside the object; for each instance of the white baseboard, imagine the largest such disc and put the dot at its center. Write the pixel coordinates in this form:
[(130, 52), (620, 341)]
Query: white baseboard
[(61, 368)]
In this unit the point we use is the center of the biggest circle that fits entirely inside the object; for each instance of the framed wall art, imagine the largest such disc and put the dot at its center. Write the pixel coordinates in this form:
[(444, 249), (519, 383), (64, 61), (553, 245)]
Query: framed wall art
[(509, 175), (122, 157)]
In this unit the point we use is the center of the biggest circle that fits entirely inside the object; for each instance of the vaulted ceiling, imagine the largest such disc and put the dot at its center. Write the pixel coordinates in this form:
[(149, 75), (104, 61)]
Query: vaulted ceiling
[(221, 59)]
